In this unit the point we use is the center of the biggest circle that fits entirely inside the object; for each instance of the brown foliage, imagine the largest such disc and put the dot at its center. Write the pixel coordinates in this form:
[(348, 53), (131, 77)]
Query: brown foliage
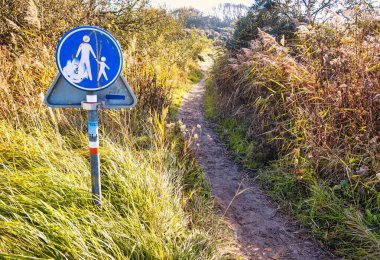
[(316, 101), (157, 53)]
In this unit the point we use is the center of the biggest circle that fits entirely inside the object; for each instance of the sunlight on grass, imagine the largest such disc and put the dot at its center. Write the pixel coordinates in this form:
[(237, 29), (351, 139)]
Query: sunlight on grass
[(299, 118), (46, 207)]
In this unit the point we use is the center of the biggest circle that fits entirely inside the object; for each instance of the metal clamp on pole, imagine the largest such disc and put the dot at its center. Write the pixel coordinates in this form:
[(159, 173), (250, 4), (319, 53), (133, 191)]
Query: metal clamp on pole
[(91, 105)]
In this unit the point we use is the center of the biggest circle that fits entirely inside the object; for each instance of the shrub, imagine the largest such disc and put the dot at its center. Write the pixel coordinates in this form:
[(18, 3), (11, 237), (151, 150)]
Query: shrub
[(315, 106)]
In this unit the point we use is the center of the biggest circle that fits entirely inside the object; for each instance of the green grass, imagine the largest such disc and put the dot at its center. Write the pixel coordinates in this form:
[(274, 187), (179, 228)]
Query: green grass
[(177, 99), (244, 148), (211, 106), (193, 78), (334, 214), (340, 225), (156, 202)]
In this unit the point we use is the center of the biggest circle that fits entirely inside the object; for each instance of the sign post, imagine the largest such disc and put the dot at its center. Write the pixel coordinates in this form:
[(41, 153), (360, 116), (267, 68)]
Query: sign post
[(90, 61), (91, 105)]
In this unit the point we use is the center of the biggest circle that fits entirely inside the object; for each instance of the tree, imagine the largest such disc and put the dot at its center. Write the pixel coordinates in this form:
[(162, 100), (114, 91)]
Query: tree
[(275, 17), (230, 12), (315, 8), (191, 17)]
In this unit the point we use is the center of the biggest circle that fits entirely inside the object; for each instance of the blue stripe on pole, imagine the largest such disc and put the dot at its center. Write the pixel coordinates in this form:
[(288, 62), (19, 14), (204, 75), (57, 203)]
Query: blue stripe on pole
[(119, 97)]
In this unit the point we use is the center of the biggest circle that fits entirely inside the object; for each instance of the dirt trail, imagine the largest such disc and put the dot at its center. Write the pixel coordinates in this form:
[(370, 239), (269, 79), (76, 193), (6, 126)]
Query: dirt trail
[(262, 230)]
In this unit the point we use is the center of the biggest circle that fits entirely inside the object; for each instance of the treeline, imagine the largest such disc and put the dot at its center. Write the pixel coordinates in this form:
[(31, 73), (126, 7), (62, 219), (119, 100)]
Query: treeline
[(216, 26), (224, 15), (283, 18), (300, 85)]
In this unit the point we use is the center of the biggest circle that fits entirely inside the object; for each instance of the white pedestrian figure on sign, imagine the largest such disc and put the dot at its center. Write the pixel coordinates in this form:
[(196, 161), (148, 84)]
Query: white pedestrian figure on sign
[(85, 49), (102, 68)]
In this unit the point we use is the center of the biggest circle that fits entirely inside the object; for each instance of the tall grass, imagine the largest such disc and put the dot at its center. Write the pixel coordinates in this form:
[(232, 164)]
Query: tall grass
[(156, 202), (46, 208), (310, 109)]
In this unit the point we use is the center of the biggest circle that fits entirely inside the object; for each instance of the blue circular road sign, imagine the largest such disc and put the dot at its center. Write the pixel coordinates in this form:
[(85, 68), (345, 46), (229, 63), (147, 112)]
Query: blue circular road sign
[(89, 58)]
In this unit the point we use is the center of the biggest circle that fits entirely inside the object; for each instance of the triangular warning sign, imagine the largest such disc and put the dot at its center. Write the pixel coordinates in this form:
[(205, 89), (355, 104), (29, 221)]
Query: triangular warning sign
[(62, 94)]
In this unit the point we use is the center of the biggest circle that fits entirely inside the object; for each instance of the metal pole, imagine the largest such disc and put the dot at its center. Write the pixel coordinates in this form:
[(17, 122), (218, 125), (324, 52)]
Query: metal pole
[(92, 110), (94, 155)]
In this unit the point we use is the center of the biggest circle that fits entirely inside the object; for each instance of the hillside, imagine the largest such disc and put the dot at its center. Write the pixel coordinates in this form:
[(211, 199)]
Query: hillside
[(296, 98), (156, 203)]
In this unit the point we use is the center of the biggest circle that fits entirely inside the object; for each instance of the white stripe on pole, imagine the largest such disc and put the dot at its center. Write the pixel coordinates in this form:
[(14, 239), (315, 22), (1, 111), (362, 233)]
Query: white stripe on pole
[(94, 144)]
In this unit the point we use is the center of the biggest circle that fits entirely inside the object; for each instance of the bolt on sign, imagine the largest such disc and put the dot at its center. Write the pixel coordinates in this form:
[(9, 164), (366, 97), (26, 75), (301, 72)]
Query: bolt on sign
[(90, 61)]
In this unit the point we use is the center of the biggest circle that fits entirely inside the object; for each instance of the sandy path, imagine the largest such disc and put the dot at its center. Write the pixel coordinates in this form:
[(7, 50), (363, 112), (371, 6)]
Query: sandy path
[(262, 230)]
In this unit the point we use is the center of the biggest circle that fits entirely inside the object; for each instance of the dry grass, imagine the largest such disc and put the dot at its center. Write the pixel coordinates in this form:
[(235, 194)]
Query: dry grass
[(315, 104), (156, 201), (315, 100)]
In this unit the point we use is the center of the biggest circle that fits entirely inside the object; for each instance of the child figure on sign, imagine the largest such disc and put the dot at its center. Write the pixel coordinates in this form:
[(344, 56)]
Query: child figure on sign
[(102, 68)]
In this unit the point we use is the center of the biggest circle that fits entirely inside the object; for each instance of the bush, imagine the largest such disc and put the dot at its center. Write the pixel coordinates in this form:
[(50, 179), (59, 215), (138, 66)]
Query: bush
[(273, 17), (315, 106)]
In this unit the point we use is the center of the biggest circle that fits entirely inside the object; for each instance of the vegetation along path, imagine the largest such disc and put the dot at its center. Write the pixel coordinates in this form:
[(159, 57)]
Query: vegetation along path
[(262, 231)]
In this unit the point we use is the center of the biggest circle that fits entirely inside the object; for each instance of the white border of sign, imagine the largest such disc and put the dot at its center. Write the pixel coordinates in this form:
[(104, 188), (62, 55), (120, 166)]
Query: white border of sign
[(100, 30)]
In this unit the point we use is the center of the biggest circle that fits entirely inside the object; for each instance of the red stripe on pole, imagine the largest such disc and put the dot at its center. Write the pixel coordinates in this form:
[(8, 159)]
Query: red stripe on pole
[(94, 150)]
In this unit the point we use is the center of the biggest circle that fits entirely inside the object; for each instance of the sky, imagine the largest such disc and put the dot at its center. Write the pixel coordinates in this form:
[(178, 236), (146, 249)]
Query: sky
[(204, 5)]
